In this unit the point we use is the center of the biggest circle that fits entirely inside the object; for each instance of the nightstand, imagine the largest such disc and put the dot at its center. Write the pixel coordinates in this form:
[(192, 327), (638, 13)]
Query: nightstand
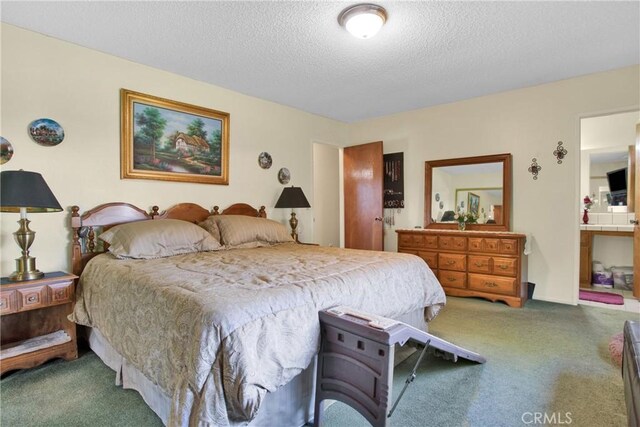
[(34, 324)]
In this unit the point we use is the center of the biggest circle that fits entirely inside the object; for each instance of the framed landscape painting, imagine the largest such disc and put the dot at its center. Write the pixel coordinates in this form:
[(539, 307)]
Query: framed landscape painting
[(172, 141), (474, 203)]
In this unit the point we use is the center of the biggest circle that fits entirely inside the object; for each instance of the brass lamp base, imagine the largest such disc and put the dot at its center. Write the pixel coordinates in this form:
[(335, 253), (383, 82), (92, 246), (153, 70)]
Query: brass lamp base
[(26, 270), (293, 222), (25, 265)]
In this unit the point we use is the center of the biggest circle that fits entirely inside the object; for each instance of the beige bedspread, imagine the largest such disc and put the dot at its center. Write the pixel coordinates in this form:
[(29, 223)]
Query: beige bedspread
[(217, 330)]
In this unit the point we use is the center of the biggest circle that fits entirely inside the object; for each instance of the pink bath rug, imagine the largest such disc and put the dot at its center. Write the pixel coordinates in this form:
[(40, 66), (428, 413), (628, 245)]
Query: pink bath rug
[(603, 297)]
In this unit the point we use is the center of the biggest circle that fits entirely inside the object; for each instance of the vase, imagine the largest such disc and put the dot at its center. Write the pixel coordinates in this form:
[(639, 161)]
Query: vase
[(585, 217), (462, 225)]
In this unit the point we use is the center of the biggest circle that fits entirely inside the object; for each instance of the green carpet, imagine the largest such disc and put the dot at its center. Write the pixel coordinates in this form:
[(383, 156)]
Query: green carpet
[(547, 358)]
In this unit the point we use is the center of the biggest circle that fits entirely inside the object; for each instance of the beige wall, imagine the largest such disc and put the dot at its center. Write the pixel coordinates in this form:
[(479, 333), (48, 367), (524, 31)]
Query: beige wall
[(78, 87), (43, 77), (527, 123)]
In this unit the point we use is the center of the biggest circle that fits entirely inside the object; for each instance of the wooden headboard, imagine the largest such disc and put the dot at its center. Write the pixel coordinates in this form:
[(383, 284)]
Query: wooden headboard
[(85, 246)]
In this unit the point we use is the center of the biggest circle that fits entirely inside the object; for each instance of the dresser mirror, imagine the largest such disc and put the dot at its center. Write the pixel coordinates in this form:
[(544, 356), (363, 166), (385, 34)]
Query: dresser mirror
[(481, 185)]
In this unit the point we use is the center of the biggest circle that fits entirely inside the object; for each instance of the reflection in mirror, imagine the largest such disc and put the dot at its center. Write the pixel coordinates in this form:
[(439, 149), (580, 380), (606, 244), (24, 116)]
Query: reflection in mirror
[(603, 165), (468, 188), (480, 185)]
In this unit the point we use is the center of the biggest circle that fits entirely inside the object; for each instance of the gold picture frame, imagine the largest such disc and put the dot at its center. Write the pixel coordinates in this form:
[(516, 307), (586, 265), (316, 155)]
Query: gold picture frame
[(172, 141)]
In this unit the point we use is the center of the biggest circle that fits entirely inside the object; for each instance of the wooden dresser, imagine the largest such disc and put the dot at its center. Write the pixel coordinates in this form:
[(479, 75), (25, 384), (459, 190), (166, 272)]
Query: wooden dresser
[(490, 265)]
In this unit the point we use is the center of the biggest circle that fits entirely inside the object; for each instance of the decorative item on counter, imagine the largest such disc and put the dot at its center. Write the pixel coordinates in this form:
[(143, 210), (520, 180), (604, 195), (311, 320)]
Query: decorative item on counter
[(464, 219), (284, 176), (587, 205), (46, 132), (264, 160), (560, 152), (535, 168), (6, 151)]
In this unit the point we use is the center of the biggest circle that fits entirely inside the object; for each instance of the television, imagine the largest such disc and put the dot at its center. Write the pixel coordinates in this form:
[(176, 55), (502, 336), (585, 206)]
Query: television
[(618, 186)]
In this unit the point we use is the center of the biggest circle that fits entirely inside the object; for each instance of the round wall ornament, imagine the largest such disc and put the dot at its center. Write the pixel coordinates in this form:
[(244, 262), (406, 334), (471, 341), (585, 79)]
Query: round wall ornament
[(264, 160), (46, 132), (6, 151), (284, 176)]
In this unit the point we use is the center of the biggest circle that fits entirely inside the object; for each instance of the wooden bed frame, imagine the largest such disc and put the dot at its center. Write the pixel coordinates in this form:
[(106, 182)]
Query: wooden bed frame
[(85, 246)]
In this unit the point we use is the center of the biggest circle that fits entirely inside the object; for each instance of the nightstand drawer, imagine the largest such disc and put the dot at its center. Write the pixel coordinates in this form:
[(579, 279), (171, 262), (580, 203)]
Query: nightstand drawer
[(456, 262), (32, 298), (8, 302), (60, 293), (452, 279)]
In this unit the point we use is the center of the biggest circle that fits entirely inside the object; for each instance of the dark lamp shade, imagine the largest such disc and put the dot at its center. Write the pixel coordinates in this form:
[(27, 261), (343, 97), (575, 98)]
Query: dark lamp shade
[(23, 189), (292, 197)]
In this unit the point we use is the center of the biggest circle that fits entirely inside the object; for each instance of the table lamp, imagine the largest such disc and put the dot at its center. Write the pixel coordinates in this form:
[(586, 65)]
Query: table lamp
[(293, 197), (25, 192)]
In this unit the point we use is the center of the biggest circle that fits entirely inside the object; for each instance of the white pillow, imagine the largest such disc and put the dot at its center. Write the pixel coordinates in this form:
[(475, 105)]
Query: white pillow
[(236, 230), (157, 239)]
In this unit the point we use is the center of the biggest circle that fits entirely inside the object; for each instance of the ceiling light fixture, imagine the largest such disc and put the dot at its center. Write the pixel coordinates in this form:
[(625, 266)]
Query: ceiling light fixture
[(363, 20)]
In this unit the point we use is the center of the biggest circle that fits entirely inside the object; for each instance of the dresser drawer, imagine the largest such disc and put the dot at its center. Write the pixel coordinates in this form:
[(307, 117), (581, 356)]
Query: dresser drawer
[(431, 258), (475, 244), (407, 251), (410, 240), (456, 262), (479, 264), (505, 266), (60, 293), (491, 245), (8, 302), (452, 243), (452, 279), (508, 246), (430, 242), (32, 298), (492, 284)]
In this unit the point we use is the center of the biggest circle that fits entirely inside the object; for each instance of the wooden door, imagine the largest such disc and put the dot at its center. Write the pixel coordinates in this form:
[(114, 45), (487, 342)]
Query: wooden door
[(497, 214), (634, 162), (363, 187)]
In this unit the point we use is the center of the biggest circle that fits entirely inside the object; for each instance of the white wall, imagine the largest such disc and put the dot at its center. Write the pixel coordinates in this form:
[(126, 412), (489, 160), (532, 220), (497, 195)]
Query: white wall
[(79, 88), (527, 123)]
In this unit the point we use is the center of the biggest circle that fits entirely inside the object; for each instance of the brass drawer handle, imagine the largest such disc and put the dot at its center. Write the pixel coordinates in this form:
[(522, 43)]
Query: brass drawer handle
[(503, 266), (451, 279), (490, 284), (450, 262), (479, 264), (32, 298), (2, 304)]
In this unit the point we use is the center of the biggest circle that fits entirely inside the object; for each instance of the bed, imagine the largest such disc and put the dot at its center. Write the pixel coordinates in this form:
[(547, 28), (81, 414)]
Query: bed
[(209, 336)]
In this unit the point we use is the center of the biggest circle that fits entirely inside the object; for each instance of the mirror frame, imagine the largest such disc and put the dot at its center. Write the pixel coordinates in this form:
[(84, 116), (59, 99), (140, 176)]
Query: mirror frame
[(506, 161)]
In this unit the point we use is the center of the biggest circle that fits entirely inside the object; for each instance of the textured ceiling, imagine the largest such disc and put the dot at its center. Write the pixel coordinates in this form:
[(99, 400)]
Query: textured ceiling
[(296, 54)]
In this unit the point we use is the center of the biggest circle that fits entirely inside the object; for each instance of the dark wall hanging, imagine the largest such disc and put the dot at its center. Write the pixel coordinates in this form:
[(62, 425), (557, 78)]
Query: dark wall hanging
[(560, 152), (393, 180), (535, 168)]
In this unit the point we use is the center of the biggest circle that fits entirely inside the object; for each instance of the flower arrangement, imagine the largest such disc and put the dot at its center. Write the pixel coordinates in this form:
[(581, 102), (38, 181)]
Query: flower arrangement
[(465, 218), (587, 202)]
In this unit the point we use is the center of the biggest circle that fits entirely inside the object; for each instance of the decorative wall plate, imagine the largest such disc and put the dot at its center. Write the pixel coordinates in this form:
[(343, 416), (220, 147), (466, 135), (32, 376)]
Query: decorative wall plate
[(264, 160), (6, 151), (437, 197), (284, 176), (46, 132)]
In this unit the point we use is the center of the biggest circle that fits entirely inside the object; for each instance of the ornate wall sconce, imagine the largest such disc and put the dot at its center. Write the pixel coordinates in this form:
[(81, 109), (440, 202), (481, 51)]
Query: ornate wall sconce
[(535, 168), (560, 152)]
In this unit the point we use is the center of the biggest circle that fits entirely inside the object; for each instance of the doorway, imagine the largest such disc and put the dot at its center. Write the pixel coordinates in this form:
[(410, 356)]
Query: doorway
[(326, 194), (607, 257)]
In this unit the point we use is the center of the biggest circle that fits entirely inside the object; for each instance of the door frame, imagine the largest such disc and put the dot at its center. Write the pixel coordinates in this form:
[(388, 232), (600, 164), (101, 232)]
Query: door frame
[(577, 197)]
